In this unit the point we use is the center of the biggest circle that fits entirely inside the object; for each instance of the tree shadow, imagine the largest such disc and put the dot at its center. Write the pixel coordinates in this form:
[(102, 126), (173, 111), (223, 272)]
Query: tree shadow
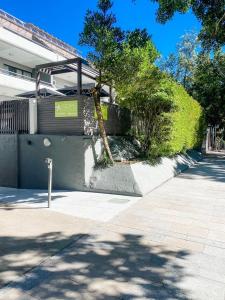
[(93, 268), (212, 168), (15, 198)]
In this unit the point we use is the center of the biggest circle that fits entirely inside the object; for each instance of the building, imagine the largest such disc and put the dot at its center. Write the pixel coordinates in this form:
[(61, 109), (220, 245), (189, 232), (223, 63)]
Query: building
[(22, 47), (32, 60)]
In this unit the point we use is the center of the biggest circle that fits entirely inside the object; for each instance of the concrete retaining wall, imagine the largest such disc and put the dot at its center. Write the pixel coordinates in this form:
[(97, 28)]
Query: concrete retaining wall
[(22, 164), (67, 153), (8, 160), (140, 178)]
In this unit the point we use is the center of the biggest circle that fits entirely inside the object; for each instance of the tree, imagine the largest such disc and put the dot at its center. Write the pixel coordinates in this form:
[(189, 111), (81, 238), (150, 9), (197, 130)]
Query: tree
[(104, 38), (136, 53), (209, 88), (211, 14), (117, 55), (137, 38), (165, 119), (181, 65), (140, 88)]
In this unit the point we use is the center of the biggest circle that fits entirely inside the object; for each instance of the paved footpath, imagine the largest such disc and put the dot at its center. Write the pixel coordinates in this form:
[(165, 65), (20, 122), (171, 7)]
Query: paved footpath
[(168, 245)]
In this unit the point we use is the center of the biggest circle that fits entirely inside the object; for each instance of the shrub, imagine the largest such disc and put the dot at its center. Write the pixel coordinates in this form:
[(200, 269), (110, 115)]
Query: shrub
[(165, 118), (187, 126)]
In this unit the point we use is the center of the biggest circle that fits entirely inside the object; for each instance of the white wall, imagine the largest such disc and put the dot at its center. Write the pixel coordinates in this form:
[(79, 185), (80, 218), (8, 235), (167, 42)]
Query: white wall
[(4, 61), (11, 86), (24, 54)]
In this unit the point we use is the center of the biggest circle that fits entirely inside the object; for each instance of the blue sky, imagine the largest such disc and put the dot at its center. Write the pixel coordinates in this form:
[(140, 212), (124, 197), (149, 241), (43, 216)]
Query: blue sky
[(64, 19)]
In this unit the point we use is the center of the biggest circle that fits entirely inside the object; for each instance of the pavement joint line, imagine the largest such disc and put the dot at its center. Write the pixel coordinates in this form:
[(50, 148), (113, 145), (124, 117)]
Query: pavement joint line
[(14, 284), (168, 234), (159, 235)]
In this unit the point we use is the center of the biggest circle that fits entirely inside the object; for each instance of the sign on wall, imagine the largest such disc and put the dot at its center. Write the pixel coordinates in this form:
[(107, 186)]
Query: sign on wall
[(66, 109), (104, 112)]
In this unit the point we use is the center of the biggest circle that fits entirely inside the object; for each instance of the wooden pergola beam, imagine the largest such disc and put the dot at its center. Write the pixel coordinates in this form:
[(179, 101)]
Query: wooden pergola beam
[(61, 63), (54, 68)]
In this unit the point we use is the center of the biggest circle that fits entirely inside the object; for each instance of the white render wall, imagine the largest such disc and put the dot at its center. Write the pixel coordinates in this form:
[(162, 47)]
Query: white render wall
[(41, 54), (11, 86), (23, 54), (138, 178), (4, 62)]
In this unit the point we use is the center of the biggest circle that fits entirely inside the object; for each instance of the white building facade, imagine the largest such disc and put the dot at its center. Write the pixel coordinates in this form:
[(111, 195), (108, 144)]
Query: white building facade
[(22, 47)]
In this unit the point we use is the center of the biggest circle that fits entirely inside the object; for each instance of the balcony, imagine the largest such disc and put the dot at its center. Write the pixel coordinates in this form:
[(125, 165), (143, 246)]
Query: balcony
[(12, 84), (24, 77)]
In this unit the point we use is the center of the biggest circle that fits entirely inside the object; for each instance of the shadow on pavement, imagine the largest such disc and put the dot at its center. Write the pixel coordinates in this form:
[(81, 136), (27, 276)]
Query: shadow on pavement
[(14, 199), (128, 268), (211, 168)]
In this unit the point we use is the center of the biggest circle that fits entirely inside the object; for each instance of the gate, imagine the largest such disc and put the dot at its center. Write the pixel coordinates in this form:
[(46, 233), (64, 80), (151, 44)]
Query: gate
[(14, 117)]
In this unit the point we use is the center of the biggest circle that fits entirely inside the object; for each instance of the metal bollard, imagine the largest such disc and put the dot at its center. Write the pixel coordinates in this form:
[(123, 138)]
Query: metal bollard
[(50, 165)]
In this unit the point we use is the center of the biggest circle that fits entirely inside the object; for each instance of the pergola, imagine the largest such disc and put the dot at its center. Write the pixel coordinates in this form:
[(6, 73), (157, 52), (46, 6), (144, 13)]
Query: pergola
[(78, 65)]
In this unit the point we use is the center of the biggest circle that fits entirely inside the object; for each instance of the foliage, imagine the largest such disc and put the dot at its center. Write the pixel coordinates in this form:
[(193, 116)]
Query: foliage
[(102, 35), (104, 38), (209, 87), (187, 121), (149, 101), (165, 119), (181, 65), (108, 45), (137, 38), (202, 75), (210, 13), (103, 162)]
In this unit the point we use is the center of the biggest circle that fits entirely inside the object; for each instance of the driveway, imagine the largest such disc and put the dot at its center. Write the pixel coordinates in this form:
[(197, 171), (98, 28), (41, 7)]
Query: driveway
[(167, 245)]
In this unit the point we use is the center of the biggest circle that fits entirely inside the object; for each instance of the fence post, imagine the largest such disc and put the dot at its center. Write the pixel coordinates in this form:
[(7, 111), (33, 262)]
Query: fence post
[(32, 116)]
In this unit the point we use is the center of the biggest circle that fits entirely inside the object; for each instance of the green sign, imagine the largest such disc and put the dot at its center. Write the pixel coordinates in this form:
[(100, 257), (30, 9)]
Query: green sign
[(66, 109), (104, 112)]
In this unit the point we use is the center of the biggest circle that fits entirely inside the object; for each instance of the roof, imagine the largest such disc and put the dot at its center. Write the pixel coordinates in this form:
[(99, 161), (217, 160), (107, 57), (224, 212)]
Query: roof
[(36, 32)]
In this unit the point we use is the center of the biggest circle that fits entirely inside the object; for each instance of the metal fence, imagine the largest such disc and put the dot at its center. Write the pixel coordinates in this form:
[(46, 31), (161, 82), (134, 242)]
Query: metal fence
[(14, 116), (215, 138)]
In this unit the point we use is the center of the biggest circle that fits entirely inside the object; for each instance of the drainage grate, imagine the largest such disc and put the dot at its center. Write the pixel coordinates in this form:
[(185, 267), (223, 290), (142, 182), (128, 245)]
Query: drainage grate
[(118, 201)]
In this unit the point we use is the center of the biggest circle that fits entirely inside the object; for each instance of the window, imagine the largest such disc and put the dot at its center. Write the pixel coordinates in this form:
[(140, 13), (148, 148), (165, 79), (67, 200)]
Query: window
[(19, 72), (11, 69)]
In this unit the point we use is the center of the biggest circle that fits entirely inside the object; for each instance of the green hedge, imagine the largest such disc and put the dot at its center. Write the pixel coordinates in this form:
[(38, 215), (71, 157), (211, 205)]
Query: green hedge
[(187, 125), (165, 118)]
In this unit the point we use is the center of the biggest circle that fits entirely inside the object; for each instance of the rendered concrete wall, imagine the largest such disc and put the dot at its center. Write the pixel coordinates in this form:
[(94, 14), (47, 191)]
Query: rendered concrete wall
[(93, 150), (118, 179), (149, 177), (8, 161), (22, 161), (74, 159), (140, 178), (67, 153)]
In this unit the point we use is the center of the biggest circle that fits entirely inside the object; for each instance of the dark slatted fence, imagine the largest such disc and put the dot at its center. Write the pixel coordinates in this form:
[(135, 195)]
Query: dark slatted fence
[(14, 116), (117, 121)]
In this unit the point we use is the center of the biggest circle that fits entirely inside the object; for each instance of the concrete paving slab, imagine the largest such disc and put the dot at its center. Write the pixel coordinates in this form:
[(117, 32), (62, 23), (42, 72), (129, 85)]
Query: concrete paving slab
[(94, 206), (165, 246), (15, 294), (29, 236)]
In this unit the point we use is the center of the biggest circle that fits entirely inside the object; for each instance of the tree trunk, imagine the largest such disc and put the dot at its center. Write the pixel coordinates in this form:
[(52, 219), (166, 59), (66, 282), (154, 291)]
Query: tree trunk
[(96, 95)]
